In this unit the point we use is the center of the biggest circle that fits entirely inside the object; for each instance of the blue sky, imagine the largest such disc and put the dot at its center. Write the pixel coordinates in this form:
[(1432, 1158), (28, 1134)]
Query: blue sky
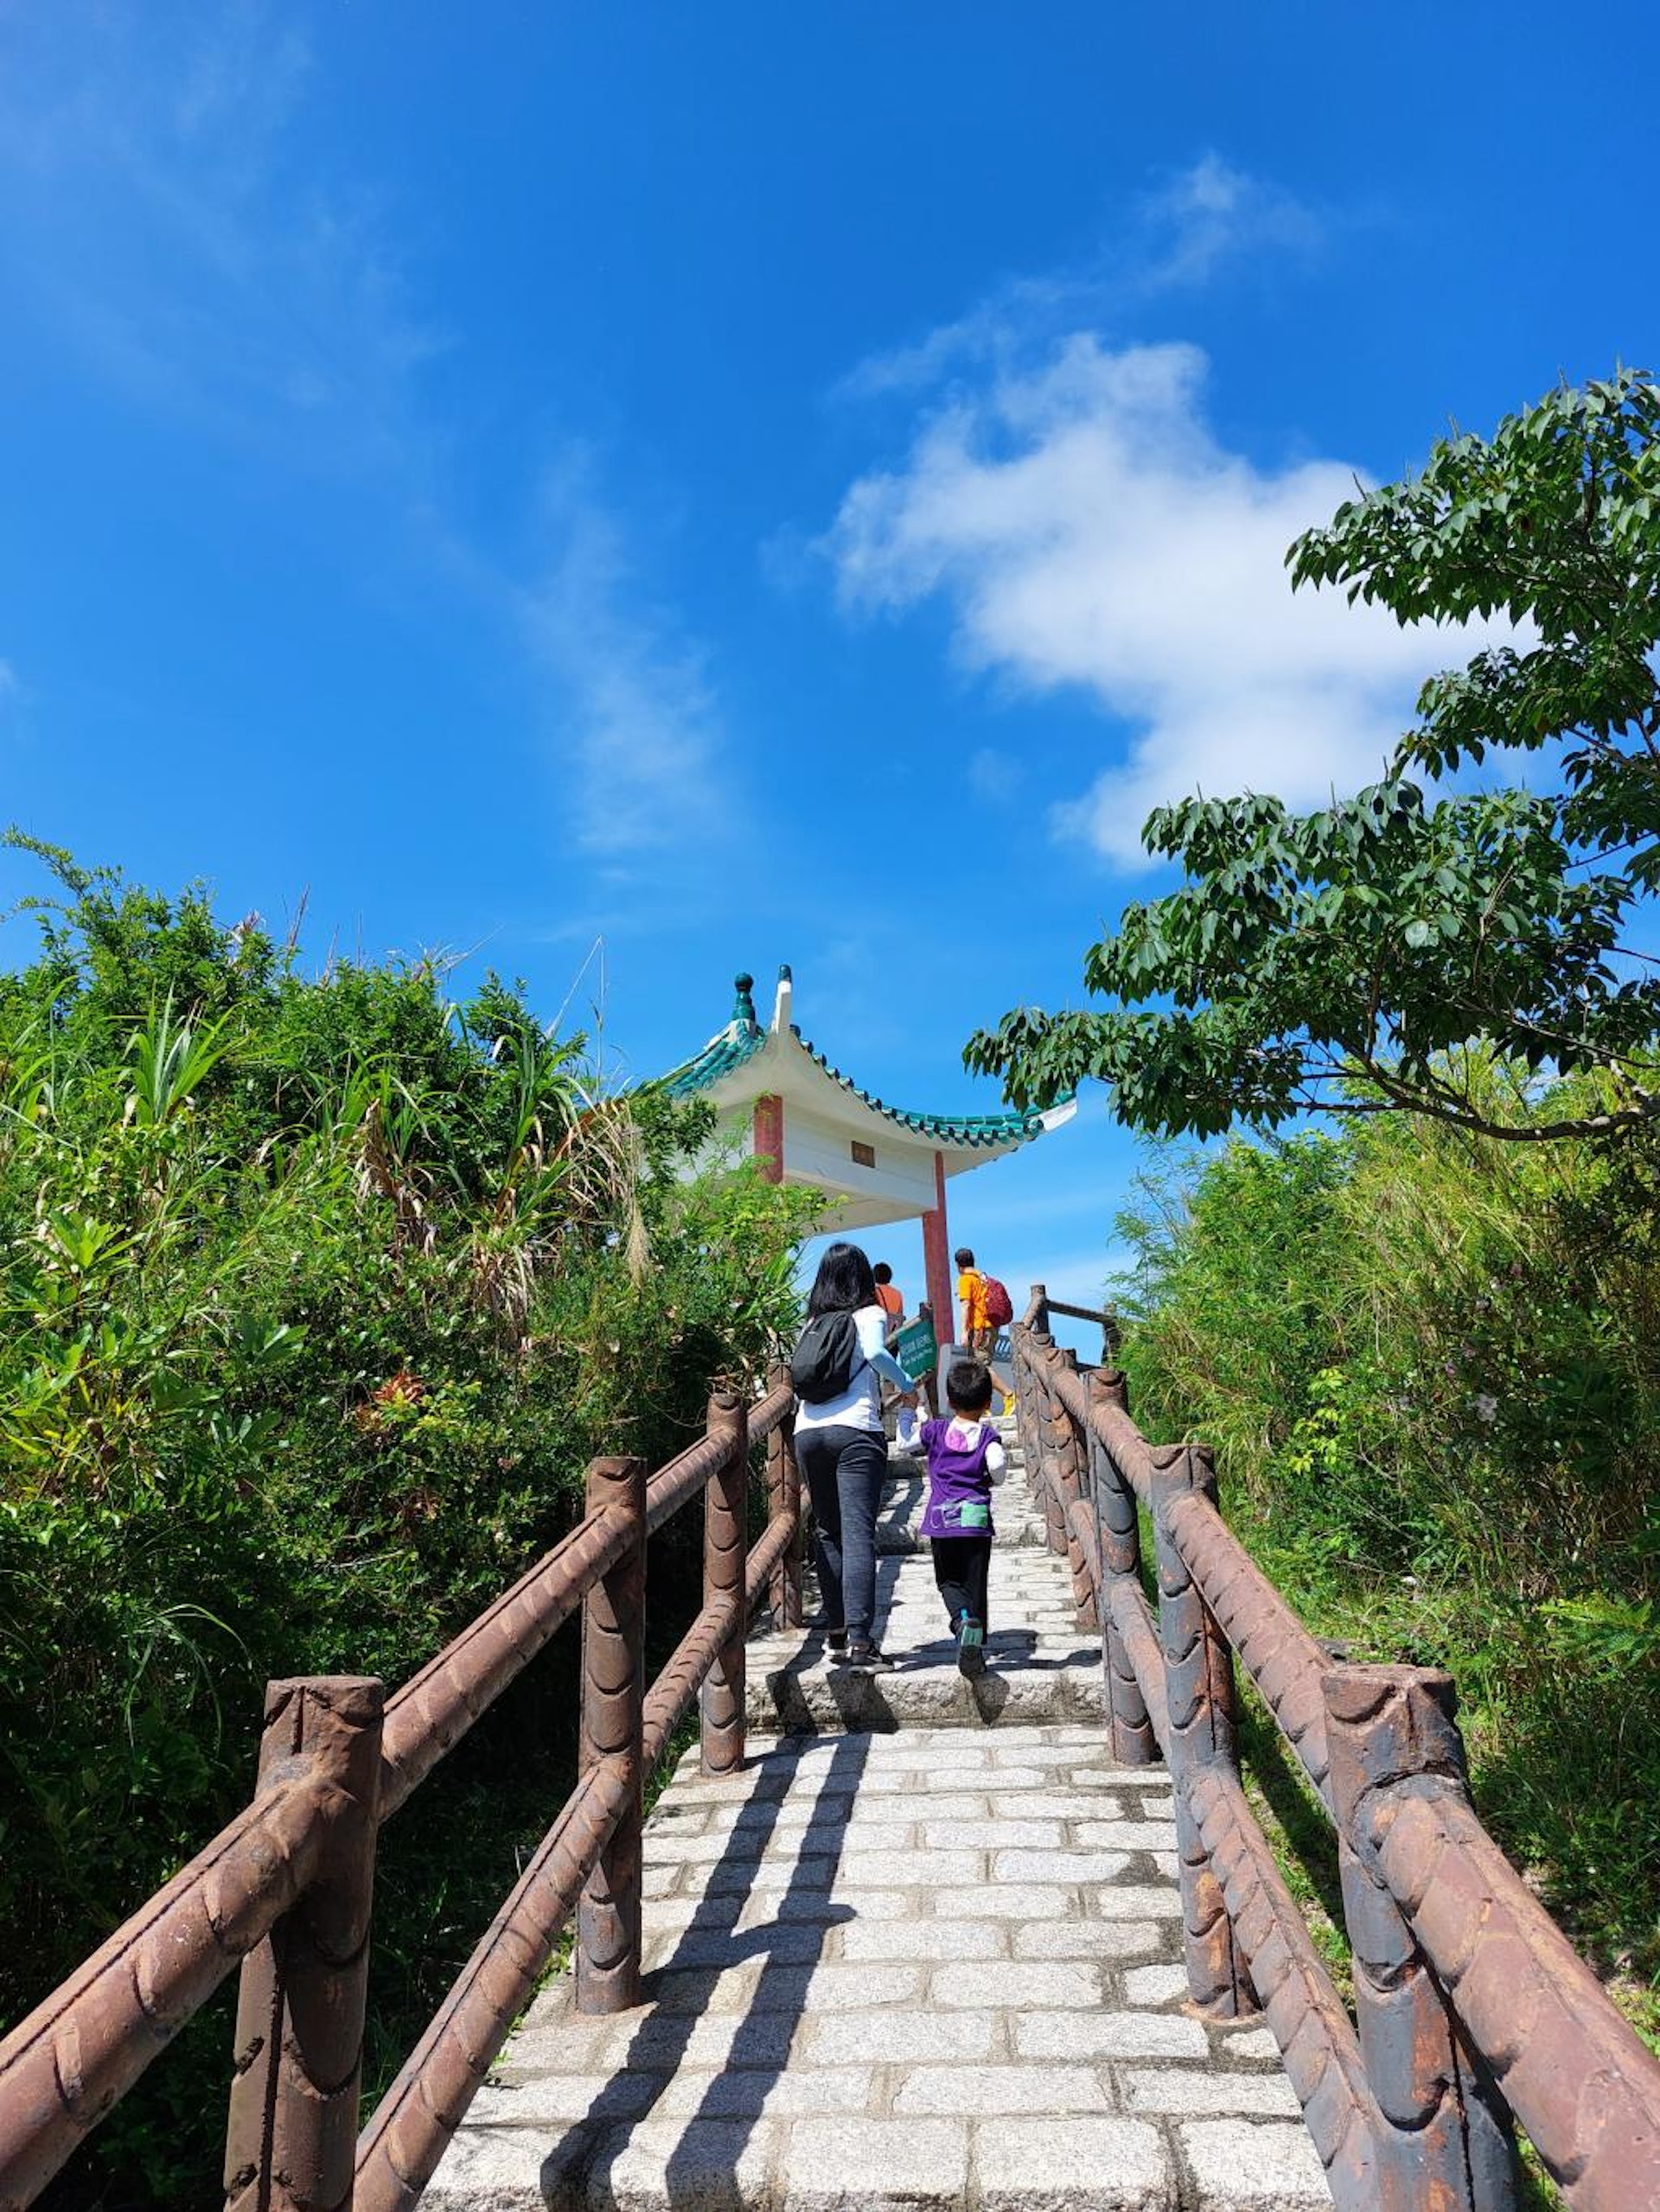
[(629, 493)]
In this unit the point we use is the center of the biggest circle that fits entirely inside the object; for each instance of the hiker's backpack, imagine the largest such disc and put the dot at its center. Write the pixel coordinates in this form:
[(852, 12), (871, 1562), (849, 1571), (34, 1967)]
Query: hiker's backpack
[(827, 1359), (1000, 1307)]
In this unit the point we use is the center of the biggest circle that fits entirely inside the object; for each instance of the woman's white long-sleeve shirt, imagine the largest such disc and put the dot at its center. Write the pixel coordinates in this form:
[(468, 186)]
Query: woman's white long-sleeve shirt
[(859, 1406)]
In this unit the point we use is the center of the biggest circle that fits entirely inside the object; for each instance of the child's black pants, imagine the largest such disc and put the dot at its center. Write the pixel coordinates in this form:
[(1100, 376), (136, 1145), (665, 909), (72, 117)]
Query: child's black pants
[(961, 1565)]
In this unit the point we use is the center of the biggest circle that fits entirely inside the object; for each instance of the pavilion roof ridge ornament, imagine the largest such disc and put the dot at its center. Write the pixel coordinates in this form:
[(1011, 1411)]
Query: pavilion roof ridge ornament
[(742, 1039)]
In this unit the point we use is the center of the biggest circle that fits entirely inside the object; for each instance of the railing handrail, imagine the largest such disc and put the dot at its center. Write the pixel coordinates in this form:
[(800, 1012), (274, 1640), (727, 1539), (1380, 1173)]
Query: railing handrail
[(1564, 2060), (65, 2066)]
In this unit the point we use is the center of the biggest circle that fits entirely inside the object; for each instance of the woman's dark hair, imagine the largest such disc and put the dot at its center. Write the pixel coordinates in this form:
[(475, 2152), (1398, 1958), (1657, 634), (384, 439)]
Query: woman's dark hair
[(843, 1284), (968, 1387)]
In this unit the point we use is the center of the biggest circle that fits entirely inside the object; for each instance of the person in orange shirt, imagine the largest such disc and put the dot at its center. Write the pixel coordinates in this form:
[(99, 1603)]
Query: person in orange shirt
[(890, 1300), (977, 1331)]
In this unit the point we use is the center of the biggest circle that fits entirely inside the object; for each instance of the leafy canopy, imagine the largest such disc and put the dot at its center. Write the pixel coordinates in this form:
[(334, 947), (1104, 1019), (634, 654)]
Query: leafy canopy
[(1343, 960)]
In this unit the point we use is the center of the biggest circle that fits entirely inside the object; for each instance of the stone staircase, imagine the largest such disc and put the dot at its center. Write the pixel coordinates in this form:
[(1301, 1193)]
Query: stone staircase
[(925, 1951)]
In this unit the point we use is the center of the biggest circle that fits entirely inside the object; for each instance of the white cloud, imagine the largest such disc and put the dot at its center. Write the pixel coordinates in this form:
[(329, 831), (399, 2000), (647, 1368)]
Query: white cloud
[(1190, 230), (1213, 213), (1086, 530), (632, 701)]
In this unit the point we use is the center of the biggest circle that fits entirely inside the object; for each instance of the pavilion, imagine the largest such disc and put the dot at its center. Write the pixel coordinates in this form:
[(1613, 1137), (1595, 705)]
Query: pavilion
[(789, 1108)]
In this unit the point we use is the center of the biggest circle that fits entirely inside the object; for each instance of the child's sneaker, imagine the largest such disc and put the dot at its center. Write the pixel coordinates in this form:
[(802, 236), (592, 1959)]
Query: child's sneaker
[(971, 1647)]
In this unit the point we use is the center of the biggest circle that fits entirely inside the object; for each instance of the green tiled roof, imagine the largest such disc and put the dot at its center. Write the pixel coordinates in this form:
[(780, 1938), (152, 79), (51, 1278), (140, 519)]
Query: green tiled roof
[(718, 1057), (742, 1037), (948, 1128)]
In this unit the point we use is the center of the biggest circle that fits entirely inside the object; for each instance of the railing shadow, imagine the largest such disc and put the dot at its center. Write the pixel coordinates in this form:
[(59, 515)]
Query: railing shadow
[(703, 2163)]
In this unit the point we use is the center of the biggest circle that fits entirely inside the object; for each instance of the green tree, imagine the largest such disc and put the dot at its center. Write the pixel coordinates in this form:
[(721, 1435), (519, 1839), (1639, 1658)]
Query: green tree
[(1347, 960)]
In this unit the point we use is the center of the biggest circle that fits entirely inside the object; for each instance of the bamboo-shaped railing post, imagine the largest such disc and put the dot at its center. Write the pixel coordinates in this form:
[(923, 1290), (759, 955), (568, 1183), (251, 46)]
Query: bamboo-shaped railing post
[(1071, 1468), (1119, 1539), (784, 1495), (1050, 1417), (1025, 1410), (613, 1702), (1199, 1686), (1443, 2133), (726, 1542), (292, 2131)]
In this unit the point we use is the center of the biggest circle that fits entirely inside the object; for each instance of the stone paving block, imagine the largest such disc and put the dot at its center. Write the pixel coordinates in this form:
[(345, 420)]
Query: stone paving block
[(753, 2093), (963, 1941), (936, 1806), (881, 1869), (718, 2166), (1267, 2165), (849, 2165), (1009, 1901), (1165, 1985), (895, 2037), (985, 1835), (1126, 1835), (1017, 1987), (1191, 2092), (1108, 2035), (798, 1943), (557, 2101), (509, 2168), (1091, 1939), (1072, 1867), (818, 1908), (657, 2043), (862, 1986), (967, 2091), (1137, 1901), (1071, 2165), (668, 1847), (559, 2040), (1247, 2043), (726, 1987)]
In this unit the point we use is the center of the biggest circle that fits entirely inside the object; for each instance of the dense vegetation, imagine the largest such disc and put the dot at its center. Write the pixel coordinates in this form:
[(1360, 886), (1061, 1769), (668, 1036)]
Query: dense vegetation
[(319, 1293), (1430, 1365)]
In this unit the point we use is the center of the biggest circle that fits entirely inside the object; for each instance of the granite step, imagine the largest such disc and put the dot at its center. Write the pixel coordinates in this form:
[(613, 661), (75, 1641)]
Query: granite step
[(935, 1969)]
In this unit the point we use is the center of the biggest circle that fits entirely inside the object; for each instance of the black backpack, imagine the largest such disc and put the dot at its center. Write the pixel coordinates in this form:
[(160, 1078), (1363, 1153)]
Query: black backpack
[(827, 1359)]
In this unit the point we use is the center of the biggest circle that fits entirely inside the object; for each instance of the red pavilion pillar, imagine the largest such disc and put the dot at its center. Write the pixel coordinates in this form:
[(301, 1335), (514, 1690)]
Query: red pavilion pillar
[(936, 1260), (767, 1137)]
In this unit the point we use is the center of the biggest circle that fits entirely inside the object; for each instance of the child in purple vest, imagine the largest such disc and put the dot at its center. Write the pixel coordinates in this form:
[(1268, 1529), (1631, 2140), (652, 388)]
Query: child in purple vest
[(964, 1460)]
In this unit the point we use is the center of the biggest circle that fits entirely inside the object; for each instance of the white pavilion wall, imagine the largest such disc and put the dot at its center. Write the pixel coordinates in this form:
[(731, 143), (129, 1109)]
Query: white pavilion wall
[(816, 1150)]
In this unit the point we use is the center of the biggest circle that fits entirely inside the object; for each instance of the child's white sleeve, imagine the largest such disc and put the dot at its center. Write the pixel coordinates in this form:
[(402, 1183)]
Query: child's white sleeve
[(996, 1462)]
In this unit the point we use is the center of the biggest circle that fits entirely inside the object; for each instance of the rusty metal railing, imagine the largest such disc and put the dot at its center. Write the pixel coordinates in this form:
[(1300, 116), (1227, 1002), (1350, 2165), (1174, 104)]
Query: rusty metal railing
[(284, 1891), (1472, 2011)]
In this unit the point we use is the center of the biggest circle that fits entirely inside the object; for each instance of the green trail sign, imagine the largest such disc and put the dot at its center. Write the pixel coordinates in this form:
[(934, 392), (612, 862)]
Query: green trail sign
[(917, 1350)]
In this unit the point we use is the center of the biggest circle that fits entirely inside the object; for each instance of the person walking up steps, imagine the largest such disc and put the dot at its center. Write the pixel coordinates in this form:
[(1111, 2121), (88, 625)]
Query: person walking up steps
[(986, 1309), (965, 1459), (838, 1369)]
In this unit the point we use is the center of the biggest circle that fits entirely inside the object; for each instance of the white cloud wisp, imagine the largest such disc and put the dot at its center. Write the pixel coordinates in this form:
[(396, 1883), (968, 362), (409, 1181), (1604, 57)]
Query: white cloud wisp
[(639, 721), (1086, 530)]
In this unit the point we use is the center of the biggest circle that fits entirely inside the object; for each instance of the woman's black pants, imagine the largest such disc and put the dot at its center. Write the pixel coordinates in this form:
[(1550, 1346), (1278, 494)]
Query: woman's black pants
[(844, 1470)]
